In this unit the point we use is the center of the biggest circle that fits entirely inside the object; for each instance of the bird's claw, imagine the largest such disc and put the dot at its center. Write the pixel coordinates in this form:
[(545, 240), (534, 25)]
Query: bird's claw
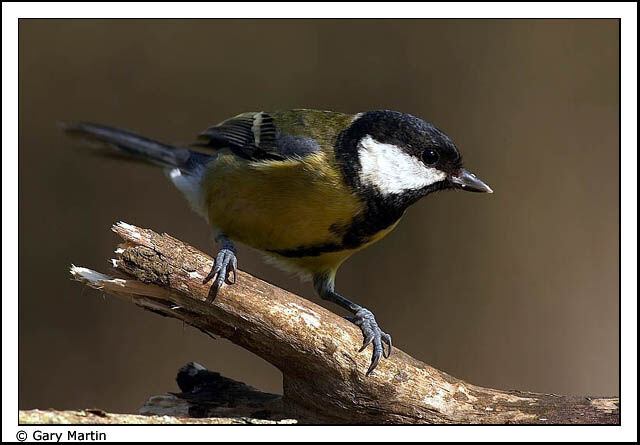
[(372, 333), (225, 264)]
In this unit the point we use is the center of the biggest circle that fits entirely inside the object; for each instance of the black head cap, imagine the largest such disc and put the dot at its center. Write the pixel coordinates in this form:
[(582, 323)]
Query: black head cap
[(410, 135), (413, 135)]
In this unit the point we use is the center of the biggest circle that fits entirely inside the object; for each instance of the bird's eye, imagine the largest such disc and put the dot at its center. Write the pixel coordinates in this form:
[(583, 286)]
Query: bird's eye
[(430, 156)]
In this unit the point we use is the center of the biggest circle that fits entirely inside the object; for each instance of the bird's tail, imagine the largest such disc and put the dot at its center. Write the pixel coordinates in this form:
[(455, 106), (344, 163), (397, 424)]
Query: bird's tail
[(131, 145)]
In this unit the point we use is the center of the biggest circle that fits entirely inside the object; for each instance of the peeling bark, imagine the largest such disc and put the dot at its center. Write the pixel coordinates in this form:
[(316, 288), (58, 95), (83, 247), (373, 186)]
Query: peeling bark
[(317, 351)]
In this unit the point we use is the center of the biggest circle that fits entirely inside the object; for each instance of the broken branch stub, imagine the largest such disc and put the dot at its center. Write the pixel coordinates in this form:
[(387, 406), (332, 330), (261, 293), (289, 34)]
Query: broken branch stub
[(317, 351)]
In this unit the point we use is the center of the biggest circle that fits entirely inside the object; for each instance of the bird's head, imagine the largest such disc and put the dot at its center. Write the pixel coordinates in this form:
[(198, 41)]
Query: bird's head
[(401, 157)]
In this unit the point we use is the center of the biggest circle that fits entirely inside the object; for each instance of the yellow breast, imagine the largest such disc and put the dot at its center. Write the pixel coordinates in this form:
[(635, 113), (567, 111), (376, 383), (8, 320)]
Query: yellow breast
[(278, 205), (290, 206)]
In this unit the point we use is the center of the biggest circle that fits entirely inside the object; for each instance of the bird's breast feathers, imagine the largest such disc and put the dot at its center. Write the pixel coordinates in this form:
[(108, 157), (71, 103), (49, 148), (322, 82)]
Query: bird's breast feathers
[(299, 211)]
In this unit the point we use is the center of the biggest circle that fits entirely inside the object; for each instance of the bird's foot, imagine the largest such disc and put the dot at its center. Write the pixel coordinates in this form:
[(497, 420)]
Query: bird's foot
[(225, 264), (372, 334)]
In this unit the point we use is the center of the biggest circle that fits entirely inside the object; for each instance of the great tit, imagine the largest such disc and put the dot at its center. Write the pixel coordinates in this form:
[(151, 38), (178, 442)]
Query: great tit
[(308, 188)]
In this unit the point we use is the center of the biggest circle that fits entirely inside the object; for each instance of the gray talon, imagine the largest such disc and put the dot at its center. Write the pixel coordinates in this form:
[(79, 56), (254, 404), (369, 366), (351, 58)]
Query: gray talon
[(387, 339), (367, 340), (234, 268), (372, 334), (225, 264)]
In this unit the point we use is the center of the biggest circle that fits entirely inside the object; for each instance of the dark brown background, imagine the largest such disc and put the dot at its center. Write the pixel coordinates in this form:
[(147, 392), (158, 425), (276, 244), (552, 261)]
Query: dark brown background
[(518, 289)]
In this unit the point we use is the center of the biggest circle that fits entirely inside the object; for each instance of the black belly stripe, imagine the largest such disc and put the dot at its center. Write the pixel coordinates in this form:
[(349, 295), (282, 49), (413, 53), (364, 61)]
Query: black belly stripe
[(304, 251), (359, 232)]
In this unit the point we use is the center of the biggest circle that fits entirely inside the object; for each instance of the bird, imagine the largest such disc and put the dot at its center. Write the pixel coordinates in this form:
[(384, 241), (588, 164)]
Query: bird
[(308, 188)]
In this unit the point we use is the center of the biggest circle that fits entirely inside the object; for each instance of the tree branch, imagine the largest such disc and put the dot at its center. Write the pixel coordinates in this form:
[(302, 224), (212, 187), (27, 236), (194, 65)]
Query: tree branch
[(99, 417), (317, 351)]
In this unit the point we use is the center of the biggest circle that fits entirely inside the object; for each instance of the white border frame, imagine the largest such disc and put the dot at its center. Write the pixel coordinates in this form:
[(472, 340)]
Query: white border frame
[(627, 11)]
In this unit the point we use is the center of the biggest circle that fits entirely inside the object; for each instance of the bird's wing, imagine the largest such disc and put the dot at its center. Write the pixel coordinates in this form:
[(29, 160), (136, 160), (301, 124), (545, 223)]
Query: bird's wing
[(277, 135), (250, 135)]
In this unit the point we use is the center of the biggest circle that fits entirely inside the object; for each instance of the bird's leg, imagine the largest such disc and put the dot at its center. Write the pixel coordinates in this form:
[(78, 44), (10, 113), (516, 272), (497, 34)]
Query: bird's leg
[(225, 263), (363, 318)]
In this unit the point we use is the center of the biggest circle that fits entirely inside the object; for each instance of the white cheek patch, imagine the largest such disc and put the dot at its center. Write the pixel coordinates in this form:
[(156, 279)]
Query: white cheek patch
[(389, 169)]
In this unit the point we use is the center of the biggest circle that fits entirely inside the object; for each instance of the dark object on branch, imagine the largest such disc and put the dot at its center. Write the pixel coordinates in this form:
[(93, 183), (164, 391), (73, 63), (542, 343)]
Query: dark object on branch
[(316, 350)]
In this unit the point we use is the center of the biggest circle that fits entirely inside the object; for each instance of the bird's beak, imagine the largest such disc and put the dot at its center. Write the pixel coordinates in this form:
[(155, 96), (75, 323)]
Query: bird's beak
[(468, 181)]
